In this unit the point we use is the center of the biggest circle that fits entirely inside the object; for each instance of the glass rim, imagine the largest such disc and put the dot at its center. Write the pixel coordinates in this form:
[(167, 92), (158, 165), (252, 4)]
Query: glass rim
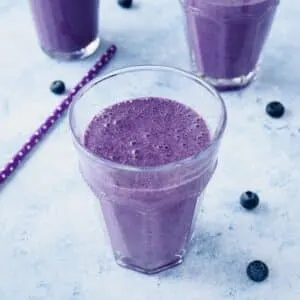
[(198, 10), (217, 134)]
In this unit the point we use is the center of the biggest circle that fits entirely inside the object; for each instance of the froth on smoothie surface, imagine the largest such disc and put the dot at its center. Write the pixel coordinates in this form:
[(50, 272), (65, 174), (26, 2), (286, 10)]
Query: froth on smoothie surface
[(146, 132)]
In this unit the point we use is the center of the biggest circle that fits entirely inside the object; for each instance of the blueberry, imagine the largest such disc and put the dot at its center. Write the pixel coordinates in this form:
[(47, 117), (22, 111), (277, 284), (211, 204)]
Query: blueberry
[(249, 200), (58, 87), (125, 3), (257, 271), (275, 109)]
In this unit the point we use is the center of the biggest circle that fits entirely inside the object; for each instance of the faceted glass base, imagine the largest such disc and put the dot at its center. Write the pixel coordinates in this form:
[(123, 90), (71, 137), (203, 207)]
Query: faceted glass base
[(226, 84), (75, 55), (126, 263)]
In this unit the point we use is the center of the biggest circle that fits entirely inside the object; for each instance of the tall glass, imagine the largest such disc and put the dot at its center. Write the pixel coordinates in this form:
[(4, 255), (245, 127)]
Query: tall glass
[(149, 211), (226, 38), (67, 29)]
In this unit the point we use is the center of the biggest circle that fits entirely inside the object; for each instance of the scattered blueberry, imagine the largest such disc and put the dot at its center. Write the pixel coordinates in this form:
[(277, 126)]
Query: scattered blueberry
[(275, 109), (58, 87), (125, 3), (249, 200), (257, 271)]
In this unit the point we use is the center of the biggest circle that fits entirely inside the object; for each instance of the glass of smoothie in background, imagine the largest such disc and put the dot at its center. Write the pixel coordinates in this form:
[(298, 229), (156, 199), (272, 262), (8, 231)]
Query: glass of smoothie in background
[(67, 29), (226, 38), (148, 139)]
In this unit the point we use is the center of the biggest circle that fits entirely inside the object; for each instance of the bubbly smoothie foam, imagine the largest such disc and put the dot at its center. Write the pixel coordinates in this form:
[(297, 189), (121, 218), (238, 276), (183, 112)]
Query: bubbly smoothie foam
[(147, 132)]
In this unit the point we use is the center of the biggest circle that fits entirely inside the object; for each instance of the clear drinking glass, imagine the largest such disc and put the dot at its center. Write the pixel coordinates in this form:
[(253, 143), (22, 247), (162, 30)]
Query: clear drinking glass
[(67, 29), (226, 38), (149, 211)]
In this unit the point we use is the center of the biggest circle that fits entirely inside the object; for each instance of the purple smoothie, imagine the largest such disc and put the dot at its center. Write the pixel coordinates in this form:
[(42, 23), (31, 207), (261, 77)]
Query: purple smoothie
[(149, 214), (65, 26), (226, 37)]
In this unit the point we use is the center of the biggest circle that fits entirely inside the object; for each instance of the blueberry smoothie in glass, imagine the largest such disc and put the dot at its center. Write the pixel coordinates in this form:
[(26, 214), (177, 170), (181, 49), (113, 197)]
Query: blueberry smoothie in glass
[(67, 29), (226, 38), (148, 159)]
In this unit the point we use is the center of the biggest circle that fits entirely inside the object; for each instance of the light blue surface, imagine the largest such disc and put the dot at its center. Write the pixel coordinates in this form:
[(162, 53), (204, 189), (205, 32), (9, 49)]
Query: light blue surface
[(52, 245)]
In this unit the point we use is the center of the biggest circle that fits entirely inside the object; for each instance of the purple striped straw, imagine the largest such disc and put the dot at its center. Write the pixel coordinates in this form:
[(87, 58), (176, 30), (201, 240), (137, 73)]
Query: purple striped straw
[(32, 142)]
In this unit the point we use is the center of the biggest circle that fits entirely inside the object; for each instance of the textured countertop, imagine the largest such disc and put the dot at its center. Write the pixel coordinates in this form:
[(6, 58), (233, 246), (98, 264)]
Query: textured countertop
[(52, 245)]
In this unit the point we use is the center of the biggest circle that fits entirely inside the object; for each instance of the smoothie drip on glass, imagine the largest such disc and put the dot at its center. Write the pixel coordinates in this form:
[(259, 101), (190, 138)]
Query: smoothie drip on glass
[(149, 132)]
